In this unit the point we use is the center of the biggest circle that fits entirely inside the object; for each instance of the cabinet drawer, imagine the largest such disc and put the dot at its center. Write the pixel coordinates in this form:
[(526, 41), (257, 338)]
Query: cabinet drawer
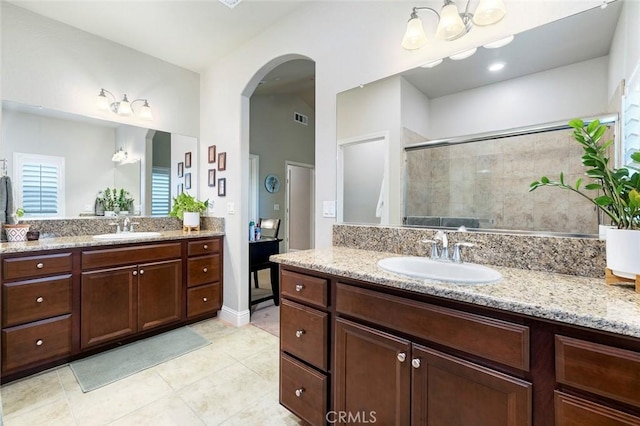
[(304, 288), (36, 342), (25, 301), (304, 333), (492, 339), (202, 247), (303, 390), (601, 369), (203, 299), (203, 270), (36, 266), (573, 411), (130, 255)]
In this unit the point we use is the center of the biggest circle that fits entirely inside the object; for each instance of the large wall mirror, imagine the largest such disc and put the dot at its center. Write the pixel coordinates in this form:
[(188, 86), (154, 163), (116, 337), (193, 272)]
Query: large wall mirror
[(149, 164), (442, 132)]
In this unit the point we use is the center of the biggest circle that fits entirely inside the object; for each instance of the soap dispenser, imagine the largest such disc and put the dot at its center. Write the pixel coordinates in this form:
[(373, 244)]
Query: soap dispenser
[(252, 231)]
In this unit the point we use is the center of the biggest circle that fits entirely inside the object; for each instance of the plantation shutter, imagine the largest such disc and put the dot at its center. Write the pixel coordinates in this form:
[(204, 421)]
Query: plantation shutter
[(160, 191), (39, 184)]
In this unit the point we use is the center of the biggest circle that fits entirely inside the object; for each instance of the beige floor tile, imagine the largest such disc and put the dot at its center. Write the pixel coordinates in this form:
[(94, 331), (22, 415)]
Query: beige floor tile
[(118, 399), (266, 363), (56, 413), (264, 412), (217, 398), (68, 379), (246, 343), (169, 411), (31, 393), (214, 329), (191, 367)]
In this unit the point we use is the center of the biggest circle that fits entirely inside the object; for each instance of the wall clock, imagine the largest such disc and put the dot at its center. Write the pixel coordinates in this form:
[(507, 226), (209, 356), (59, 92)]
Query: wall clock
[(272, 183)]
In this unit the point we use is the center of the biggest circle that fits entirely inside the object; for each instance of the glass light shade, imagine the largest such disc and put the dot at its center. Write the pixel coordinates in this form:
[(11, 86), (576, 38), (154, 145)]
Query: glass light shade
[(414, 38), (489, 12), (450, 26), (499, 43), (124, 107), (463, 55), (102, 102), (145, 112)]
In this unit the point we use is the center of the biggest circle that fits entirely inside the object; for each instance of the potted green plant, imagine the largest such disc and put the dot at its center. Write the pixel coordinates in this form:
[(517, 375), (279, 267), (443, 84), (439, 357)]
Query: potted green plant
[(115, 200), (16, 231), (188, 209), (615, 191)]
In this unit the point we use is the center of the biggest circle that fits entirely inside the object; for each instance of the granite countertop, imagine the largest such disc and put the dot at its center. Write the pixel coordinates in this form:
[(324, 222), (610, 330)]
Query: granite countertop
[(570, 299), (88, 241)]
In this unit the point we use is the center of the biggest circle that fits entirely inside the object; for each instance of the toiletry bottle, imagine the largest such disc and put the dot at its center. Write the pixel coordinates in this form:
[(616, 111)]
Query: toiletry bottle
[(252, 231), (257, 232)]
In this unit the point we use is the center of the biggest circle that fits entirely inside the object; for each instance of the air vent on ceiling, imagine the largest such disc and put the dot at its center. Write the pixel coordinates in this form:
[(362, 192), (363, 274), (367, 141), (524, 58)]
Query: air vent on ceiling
[(300, 118)]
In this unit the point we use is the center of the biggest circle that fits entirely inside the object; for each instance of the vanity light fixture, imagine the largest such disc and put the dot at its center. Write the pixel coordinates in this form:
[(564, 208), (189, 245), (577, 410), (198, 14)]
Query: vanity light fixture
[(452, 24), (123, 108), (120, 156)]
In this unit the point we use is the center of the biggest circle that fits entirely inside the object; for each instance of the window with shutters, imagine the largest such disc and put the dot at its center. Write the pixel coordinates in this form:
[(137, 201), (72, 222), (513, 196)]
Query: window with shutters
[(39, 184), (160, 191)]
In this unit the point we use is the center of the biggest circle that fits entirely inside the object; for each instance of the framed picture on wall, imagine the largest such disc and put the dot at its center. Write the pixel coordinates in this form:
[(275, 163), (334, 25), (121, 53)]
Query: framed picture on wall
[(187, 160), (222, 187), (180, 188), (222, 161), (212, 177), (180, 169), (212, 154), (187, 180)]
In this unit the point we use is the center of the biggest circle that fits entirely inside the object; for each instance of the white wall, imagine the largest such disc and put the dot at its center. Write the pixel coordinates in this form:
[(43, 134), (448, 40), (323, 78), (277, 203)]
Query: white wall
[(414, 109), (625, 49), (47, 63), (351, 43)]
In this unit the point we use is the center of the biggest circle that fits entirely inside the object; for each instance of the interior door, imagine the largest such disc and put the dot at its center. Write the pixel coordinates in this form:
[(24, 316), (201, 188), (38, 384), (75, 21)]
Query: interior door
[(300, 195)]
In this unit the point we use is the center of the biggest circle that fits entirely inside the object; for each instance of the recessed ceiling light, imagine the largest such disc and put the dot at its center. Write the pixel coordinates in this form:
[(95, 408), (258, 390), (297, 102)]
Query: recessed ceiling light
[(432, 63), (230, 3), (499, 43), (496, 66), (463, 55)]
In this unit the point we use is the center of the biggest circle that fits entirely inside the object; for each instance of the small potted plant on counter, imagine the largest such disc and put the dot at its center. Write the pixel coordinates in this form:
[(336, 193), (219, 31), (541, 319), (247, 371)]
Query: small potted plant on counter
[(188, 209), (16, 231), (616, 192)]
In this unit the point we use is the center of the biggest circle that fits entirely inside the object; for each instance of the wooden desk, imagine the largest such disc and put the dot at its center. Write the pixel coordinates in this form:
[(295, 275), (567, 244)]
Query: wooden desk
[(259, 252)]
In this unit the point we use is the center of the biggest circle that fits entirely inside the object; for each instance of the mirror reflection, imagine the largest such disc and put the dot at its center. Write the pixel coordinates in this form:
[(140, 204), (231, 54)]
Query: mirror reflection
[(77, 157), (548, 76)]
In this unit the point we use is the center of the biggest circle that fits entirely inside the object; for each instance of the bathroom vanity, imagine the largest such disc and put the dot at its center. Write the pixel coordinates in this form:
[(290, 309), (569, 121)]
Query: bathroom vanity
[(362, 345), (65, 298)]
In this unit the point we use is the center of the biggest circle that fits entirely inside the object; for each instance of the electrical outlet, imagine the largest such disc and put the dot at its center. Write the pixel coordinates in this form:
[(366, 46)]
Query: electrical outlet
[(276, 207)]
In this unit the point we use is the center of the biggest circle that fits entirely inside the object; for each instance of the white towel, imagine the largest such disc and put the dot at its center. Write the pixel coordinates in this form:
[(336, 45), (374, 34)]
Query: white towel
[(380, 204)]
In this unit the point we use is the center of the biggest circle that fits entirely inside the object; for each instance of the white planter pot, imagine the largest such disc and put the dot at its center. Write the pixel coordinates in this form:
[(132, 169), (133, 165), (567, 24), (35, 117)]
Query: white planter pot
[(191, 219), (623, 252)]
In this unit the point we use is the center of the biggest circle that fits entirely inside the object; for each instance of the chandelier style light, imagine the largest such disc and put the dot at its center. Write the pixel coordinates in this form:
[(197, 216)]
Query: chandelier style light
[(452, 24), (123, 108)]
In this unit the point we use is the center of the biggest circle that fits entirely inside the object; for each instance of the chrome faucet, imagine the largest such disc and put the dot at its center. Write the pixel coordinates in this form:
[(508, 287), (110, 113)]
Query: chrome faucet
[(442, 236), (444, 253), (125, 224)]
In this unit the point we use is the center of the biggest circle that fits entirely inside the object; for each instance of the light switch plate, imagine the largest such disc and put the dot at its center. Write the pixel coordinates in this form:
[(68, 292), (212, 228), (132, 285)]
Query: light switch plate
[(231, 208), (328, 209), (276, 207)]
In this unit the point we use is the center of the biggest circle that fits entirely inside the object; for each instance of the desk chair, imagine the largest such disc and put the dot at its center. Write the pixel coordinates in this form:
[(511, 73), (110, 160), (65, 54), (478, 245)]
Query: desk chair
[(269, 228)]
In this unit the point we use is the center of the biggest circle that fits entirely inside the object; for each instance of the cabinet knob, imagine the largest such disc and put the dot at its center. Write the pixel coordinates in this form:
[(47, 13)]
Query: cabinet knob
[(135, 272), (299, 287), (141, 271), (402, 356), (40, 299), (40, 265), (299, 392), (205, 270), (206, 247), (299, 333), (204, 299), (415, 363), (39, 342)]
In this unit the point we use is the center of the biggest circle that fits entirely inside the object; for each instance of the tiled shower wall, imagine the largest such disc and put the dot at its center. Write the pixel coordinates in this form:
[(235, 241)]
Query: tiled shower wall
[(489, 180)]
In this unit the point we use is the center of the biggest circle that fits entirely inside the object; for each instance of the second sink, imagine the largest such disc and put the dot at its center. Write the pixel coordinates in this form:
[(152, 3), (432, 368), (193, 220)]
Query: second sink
[(421, 267), (126, 235)]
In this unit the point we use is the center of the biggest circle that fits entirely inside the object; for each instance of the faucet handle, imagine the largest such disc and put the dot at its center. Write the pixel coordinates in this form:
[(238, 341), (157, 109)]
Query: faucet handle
[(434, 248), (117, 225), (457, 252), (131, 225)]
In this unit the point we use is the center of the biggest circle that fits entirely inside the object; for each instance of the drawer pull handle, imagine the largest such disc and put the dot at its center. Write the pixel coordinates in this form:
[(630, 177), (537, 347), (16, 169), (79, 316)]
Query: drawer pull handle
[(206, 247), (40, 299), (415, 363), (402, 356), (205, 270), (40, 265), (135, 272), (299, 392), (299, 333), (141, 271), (204, 299), (39, 342), (299, 287)]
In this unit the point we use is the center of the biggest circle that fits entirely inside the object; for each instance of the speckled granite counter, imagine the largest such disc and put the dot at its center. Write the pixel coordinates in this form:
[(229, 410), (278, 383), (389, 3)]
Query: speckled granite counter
[(89, 241), (570, 299)]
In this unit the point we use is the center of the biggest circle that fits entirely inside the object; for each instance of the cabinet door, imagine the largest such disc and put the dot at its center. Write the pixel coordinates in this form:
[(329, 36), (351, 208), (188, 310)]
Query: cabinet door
[(108, 305), (450, 391), (372, 376), (574, 411), (159, 294)]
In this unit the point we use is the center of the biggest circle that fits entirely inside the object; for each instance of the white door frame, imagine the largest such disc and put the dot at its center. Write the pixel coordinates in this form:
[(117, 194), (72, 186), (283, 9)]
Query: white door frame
[(254, 187), (286, 201)]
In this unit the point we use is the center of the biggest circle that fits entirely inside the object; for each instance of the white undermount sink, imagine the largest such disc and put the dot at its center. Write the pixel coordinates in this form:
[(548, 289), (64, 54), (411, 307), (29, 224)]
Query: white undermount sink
[(126, 235), (422, 267)]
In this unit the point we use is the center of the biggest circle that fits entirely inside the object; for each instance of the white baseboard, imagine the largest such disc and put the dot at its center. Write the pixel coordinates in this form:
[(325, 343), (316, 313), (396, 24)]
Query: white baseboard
[(237, 318)]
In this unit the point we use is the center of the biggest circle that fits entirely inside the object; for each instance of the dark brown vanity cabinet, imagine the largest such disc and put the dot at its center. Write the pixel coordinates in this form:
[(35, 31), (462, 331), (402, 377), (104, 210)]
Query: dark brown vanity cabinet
[(204, 277)]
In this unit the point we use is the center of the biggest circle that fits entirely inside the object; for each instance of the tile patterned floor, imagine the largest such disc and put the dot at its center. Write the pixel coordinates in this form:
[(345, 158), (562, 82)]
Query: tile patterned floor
[(233, 381)]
